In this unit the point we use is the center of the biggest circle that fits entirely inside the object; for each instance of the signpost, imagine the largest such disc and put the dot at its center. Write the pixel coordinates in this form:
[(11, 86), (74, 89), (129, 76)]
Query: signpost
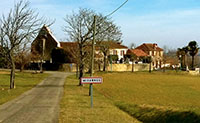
[(91, 81)]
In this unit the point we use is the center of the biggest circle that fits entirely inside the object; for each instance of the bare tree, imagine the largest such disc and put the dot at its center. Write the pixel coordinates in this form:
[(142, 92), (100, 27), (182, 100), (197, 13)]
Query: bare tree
[(18, 27), (23, 57), (80, 29)]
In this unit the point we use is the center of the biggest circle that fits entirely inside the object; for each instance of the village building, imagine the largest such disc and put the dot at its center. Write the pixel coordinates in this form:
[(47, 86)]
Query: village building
[(155, 52), (139, 54), (42, 46)]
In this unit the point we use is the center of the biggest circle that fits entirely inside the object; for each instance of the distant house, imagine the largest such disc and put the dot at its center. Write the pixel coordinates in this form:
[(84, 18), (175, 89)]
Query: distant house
[(111, 48), (118, 49), (155, 52), (43, 44), (140, 54)]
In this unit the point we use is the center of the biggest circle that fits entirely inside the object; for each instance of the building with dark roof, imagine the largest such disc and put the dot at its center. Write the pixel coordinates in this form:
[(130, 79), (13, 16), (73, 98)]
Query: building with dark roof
[(43, 44)]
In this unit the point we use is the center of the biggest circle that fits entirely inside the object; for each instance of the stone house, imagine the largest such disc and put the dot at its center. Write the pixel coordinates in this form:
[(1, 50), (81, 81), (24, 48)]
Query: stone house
[(155, 52)]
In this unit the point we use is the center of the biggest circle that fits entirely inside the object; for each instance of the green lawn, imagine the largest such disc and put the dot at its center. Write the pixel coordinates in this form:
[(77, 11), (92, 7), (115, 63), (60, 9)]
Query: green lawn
[(24, 82), (154, 97), (75, 106)]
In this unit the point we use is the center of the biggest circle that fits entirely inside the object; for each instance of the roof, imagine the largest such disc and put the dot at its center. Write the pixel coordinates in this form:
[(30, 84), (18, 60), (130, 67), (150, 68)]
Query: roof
[(113, 45), (149, 47), (137, 52), (50, 33), (68, 45)]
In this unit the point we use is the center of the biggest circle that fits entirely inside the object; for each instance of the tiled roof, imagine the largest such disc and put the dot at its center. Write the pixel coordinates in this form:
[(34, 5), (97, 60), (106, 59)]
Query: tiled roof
[(113, 45), (137, 52), (149, 47), (68, 45)]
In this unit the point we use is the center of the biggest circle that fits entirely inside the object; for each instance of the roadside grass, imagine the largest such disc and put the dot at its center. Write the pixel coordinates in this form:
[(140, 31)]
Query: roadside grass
[(24, 81), (154, 97), (75, 106)]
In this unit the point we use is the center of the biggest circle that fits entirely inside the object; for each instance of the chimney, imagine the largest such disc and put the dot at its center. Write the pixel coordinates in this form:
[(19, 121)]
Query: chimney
[(155, 45)]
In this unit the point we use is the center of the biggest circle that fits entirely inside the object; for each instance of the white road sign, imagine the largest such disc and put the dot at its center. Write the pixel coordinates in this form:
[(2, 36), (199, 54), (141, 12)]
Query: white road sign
[(91, 80)]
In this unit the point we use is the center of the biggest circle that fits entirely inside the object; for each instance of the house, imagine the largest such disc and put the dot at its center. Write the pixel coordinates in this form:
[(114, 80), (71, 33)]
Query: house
[(43, 45), (155, 52), (118, 49), (114, 50), (140, 54)]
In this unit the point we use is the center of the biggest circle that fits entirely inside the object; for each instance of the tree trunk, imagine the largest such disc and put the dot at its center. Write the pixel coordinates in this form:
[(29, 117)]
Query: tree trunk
[(12, 73), (77, 71), (22, 68), (81, 67), (150, 67), (104, 62), (132, 65), (41, 69), (164, 66), (192, 62)]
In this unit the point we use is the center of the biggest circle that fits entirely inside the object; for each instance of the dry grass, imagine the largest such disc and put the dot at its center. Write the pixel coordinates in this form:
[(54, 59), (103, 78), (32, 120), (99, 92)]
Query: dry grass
[(24, 82), (164, 92), (75, 106)]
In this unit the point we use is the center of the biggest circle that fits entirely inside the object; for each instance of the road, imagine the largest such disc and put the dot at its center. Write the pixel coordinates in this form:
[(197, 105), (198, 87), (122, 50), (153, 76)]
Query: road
[(39, 105)]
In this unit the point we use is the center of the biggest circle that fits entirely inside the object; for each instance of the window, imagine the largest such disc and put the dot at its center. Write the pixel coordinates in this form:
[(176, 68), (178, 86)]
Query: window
[(122, 53), (114, 52), (150, 53)]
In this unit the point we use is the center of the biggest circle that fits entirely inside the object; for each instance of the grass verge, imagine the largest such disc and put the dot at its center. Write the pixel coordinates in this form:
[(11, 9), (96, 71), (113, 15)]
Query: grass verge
[(75, 106), (23, 81), (159, 115)]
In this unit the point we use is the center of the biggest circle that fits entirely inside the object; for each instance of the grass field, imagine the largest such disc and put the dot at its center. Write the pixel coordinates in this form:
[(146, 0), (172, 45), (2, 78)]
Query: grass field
[(154, 97), (75, 106), (24, 82)]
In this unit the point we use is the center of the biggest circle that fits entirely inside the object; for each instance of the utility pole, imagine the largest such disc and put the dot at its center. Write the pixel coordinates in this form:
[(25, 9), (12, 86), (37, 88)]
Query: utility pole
[(92, 61), (93, 47)]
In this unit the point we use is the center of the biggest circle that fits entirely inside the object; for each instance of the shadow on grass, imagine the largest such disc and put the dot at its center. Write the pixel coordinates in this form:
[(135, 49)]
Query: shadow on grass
[(154, 115)]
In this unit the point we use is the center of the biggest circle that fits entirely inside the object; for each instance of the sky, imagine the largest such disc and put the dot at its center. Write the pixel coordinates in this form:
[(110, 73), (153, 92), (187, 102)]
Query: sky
[(171, 23)]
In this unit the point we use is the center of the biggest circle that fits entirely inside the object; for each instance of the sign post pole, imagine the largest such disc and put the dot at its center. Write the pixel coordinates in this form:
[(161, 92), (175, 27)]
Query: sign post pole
[(91, 94)]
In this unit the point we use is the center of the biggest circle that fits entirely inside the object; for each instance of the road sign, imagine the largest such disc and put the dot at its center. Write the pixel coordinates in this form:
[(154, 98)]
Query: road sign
[(91, 80)]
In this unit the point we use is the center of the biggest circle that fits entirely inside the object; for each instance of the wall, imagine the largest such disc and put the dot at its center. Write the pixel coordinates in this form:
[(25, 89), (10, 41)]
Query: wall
[(115, 67), (128, 67)]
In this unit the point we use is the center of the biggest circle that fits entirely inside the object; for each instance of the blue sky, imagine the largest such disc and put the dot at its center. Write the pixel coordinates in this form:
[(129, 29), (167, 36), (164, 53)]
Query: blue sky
[(167, 22)]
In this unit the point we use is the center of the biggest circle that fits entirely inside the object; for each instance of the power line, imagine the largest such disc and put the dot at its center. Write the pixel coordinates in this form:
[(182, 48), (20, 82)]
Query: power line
[(117, 8)]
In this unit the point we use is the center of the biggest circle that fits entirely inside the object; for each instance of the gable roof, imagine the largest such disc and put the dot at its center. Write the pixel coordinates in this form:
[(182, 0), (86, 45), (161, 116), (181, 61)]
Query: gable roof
[(48, 31), (149, 47), (137, 52)]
